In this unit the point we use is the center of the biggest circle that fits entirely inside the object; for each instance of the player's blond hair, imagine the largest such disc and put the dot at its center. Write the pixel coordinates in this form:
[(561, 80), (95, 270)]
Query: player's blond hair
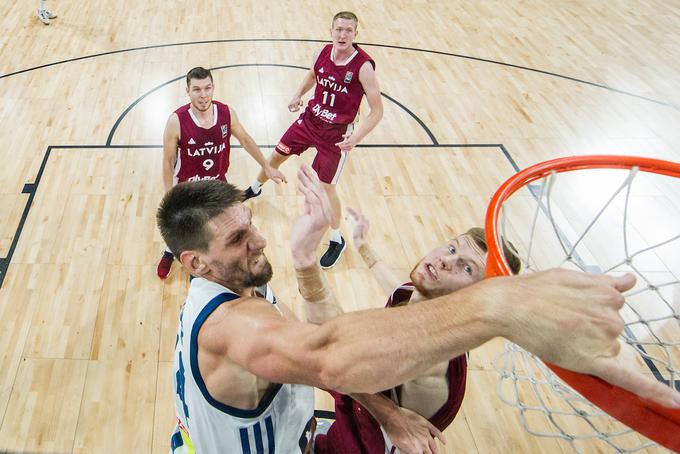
[(509, 250), (349, 15)]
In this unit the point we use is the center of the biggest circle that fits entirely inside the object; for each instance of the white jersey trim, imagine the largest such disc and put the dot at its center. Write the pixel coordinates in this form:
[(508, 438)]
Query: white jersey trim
[(351, 57), (197, 123)]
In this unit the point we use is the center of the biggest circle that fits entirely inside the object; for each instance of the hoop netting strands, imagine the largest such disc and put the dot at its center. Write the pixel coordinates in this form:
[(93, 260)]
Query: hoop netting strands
[(599, 221)]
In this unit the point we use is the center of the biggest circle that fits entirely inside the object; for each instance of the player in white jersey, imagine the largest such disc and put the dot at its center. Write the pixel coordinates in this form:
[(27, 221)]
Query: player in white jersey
[(279, 421), (241, 351)]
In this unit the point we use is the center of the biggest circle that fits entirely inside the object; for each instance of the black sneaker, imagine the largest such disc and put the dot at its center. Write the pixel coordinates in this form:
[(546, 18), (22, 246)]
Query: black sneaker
[(333, 254), (249, 193)]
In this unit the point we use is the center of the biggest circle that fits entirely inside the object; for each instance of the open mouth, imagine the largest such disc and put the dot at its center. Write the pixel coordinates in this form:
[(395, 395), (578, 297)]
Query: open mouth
[(431, 271)]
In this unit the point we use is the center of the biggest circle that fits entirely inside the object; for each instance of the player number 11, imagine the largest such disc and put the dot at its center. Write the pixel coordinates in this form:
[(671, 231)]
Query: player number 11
[(325, 98)]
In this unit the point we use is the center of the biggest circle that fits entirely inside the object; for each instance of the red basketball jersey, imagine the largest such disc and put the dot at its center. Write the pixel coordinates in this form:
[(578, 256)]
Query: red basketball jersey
[(338, 92), (203, 153)]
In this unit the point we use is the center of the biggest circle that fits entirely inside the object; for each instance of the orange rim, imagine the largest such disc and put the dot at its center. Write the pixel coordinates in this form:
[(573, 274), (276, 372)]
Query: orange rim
[(654, 421)]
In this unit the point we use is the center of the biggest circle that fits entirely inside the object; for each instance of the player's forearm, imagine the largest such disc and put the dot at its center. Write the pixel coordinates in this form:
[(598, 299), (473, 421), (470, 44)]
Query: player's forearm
[(253, 150), (406, 340), (319, 301), (385, 275), (168, 179), (368, 124), (306, 85), (377, 405)]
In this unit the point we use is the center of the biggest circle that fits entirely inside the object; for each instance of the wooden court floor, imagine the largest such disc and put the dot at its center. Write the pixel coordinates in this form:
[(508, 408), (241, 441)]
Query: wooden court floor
[(472, 91)]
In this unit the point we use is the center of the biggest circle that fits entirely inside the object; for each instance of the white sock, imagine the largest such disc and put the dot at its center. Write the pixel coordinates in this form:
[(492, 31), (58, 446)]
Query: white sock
[(42, 5), (335, 235), (256, 186)]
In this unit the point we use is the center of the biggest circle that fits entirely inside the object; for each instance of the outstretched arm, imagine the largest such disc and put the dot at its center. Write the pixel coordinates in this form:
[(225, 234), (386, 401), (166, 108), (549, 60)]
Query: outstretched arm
[(382, 272), (568, 318), (307, 230), (253, 150)]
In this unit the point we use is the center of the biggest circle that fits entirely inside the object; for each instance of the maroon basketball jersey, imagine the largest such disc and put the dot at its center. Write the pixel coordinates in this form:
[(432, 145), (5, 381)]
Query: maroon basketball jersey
[(338, 92), (203, 153)]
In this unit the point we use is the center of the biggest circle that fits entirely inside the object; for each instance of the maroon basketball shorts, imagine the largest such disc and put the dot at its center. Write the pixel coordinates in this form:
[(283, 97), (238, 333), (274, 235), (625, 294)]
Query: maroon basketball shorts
[(329, 159)]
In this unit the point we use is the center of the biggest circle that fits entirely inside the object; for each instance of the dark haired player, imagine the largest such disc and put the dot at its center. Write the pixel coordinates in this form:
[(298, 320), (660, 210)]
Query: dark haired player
[(196, 143)]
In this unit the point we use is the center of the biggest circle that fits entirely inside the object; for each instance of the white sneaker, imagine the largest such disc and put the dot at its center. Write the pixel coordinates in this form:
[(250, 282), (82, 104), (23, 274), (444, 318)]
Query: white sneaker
[(43, 16), (50, 14)]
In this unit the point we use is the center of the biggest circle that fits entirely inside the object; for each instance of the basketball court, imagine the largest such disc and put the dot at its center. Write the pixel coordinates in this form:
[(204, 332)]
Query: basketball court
[(472, 94)]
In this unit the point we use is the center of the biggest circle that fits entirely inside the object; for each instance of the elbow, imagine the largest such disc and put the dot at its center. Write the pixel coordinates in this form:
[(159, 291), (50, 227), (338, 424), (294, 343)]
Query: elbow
[(378, 113), (346, 377), (334, 376)]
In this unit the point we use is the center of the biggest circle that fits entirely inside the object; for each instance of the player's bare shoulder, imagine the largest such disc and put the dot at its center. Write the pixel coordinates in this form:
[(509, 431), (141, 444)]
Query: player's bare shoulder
[(234, 319), (172, 127)]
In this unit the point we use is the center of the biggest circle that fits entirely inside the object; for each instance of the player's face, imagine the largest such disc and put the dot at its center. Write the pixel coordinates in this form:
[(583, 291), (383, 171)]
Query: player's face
[(343, 33), (200, 93), (457, 264), (235, 255)]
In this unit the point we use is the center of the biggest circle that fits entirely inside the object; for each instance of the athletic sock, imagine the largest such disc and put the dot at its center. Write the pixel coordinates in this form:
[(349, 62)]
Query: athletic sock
[(335, 235), (256, 186)]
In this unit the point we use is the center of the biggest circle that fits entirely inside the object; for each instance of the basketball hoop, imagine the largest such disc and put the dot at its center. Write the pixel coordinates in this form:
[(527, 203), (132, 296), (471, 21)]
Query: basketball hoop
[(560, 235)]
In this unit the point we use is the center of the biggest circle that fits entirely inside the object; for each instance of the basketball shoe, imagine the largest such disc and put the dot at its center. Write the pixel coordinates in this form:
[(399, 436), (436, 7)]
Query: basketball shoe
[(332, 254), (164, 265), (249, 193), (45, 15)]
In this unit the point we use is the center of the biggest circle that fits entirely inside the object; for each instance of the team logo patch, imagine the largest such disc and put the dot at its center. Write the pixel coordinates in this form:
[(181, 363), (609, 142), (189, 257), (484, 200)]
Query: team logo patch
[(348, 77), (192, 141), (224, 131), (283, 148)]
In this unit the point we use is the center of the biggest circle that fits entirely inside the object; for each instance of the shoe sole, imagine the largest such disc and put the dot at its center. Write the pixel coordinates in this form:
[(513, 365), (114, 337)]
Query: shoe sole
[(336, 260)]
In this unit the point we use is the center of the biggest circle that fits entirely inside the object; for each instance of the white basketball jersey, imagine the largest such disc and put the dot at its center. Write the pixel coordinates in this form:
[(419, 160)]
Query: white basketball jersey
[(208, 426)]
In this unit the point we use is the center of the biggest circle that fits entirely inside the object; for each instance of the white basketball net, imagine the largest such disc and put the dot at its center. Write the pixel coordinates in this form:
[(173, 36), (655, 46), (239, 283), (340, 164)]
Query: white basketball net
[(597, 221)]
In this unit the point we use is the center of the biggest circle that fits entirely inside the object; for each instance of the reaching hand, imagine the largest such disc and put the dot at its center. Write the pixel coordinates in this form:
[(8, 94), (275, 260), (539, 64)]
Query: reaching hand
[(572, 319), (295, 104), (275, 175), (360, 228), (412, 433), (348, 142), (315, 218)]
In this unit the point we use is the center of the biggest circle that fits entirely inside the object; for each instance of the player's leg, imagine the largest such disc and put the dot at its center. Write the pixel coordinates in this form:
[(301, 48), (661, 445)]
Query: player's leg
[(337, 244), (328, 164), (44, 15)]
